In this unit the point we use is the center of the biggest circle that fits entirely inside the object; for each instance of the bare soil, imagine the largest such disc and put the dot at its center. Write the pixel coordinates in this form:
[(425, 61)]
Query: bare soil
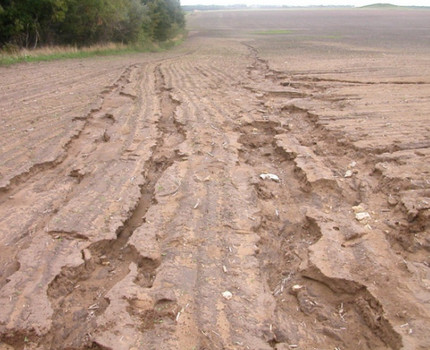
[(133, 213)]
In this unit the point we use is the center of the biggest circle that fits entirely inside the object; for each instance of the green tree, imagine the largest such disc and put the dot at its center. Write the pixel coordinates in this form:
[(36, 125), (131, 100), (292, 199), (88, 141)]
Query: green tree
[(165, 18), (84, 21), (28, 22), (92, 21), (128, 27)]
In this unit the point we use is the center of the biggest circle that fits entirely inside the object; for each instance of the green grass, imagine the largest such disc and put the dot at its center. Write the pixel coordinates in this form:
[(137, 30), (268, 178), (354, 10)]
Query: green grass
[(67, 52), (9, 59), (274, 32)]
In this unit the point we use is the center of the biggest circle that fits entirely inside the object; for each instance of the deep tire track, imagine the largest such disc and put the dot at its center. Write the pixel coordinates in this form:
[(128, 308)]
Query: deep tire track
[(81, 285)]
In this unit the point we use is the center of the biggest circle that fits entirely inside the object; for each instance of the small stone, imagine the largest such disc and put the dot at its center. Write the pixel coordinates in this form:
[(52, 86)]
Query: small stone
[(361, 216), (353, 164), (348, 173), (272, 177), (227, 295), (296, 288)]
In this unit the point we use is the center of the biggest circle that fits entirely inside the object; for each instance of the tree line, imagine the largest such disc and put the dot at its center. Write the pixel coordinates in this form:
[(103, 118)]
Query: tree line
[(32, 23)]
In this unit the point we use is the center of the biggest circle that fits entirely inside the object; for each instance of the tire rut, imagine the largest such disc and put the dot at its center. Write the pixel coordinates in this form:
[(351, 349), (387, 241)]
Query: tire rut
[(288, 231), (61, 168), (367, 175), (78, 294), (343, 156), (109, 261)]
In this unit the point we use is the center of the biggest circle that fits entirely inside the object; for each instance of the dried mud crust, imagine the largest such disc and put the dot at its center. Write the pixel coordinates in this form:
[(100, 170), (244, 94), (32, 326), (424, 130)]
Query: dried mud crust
[(150, 226)]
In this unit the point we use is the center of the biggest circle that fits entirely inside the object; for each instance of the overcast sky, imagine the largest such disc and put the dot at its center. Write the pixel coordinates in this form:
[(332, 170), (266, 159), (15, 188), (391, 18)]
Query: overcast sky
[(304, 2)]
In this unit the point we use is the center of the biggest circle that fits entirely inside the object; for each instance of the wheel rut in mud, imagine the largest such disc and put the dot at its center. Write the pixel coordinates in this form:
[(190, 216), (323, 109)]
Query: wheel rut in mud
[(78, 294), (368, 167), (323, 309), (308, 160), (90, 128)]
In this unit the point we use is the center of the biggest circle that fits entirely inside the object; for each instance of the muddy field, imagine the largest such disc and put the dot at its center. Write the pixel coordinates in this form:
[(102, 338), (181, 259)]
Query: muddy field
[(266, 185)]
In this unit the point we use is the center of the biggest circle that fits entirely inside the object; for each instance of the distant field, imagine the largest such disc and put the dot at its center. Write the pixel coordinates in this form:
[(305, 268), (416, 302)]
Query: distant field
[(378, 28)]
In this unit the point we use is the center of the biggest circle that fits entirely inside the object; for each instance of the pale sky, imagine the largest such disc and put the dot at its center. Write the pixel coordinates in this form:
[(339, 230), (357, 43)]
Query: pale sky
[(306, 2)]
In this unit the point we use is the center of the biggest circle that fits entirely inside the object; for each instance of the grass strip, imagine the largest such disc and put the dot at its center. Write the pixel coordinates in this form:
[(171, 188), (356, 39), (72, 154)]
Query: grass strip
[(68, 52)]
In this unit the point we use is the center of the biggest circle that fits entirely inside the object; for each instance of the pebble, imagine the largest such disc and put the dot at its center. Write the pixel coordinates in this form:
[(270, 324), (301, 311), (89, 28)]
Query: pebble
[(295, 289), (348, 173), (227, 295), (270, 177), (363, 215)]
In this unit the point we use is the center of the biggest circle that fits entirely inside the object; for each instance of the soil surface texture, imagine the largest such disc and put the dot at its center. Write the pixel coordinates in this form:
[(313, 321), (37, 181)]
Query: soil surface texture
[(265, 185)]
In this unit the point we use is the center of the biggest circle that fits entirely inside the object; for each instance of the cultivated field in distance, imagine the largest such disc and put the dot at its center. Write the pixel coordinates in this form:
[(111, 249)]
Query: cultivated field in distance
[(265, 185)]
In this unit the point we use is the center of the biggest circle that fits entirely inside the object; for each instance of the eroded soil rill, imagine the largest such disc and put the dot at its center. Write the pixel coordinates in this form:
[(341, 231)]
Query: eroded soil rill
[(250, 189)]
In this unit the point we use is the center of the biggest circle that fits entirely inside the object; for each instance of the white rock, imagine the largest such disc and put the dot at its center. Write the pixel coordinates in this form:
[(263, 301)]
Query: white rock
[(272, 177), (227, 295), (363, 215), (296, 287), (348, 173)]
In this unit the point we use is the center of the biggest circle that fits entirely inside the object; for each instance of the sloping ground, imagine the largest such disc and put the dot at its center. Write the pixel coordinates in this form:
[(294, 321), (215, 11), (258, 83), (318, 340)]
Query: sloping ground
[(214, 198)]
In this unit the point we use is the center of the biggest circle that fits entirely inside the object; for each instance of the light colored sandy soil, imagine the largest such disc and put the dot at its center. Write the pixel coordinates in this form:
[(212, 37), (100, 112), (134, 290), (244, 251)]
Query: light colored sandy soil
[(133, 213)]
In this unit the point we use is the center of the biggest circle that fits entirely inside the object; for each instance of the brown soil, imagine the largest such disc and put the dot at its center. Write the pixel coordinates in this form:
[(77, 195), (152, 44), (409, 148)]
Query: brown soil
[(131, 198)]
